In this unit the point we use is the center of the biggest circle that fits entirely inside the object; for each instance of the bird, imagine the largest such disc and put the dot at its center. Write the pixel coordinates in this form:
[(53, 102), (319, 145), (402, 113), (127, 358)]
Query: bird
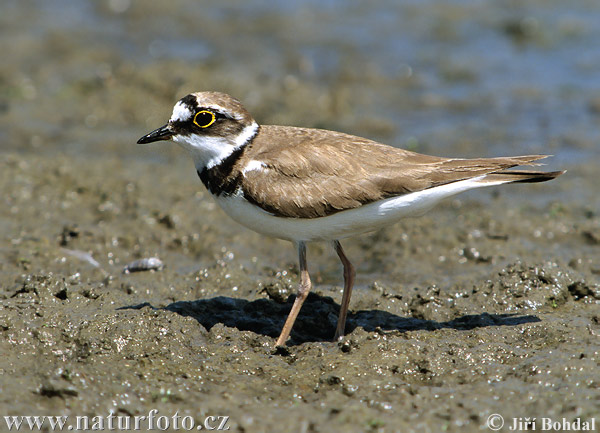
[(305, 185)]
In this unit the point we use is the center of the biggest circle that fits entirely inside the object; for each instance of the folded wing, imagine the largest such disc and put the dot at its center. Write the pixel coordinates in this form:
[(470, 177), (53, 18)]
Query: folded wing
[(318, 173)]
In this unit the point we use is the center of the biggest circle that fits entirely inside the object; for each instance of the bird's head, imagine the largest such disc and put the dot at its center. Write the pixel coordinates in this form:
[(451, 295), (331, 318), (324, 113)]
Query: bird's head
[(211, 125)]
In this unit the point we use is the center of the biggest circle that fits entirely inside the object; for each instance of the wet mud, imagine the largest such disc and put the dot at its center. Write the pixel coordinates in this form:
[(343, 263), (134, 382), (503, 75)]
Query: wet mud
[(468, 311)]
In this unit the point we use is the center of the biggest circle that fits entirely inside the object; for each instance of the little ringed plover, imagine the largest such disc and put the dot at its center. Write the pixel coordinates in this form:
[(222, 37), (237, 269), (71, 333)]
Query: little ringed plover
[(303, 184)]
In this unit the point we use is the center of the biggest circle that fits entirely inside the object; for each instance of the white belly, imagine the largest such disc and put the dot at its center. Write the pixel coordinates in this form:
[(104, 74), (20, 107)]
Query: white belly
[(346, 223)]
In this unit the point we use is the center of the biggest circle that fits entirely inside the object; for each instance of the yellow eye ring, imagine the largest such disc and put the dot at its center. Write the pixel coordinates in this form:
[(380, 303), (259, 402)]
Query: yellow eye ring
[(204, 118)]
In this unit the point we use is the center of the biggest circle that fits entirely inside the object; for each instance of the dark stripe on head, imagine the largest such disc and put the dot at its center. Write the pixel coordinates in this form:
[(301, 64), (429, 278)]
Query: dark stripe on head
[(191, 102)]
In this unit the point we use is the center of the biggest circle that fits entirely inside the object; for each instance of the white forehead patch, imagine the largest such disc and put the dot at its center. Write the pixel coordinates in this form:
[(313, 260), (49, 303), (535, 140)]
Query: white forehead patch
[(181, 113)]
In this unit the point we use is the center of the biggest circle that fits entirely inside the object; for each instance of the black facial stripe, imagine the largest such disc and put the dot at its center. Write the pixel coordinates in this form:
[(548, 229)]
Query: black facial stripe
[(223, 127), (187, 127), (180, 128)]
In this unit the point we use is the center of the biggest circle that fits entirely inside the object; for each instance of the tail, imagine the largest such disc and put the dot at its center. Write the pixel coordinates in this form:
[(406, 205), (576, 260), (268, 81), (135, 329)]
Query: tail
[(496, 171), (462, 175), (518, 176), (490, 171)]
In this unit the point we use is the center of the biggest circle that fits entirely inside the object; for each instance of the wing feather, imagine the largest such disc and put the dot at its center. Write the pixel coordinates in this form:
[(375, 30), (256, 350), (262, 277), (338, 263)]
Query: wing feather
[(309, 173)]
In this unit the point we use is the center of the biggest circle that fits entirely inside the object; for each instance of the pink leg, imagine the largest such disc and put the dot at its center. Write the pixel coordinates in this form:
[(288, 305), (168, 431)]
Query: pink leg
[(349, 275), (303, 289)]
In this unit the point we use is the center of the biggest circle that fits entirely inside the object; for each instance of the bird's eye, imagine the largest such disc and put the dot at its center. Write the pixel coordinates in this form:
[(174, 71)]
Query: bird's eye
[(204, 118)]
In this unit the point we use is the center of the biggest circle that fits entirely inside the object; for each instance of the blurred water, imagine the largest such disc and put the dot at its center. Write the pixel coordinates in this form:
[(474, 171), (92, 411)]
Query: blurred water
[(514, 76)]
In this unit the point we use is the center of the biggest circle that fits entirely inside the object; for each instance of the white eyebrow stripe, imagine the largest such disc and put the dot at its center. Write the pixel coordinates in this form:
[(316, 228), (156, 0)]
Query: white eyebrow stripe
[(254, 165), (181, 113)]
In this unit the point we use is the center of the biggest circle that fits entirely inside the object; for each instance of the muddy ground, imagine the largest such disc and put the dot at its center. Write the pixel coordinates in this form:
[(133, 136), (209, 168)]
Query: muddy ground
[(486, 305), (471, 310)]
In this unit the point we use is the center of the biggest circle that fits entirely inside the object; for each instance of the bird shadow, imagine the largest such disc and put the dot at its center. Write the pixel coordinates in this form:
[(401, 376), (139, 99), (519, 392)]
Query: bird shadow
[(317, 319)]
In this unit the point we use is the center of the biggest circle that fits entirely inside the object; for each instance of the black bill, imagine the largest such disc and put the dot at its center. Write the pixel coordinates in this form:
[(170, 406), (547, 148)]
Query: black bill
[(162, 133)]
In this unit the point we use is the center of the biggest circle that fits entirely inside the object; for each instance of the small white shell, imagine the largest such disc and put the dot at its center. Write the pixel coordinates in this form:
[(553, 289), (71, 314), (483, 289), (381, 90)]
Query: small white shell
[(147, 264)]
